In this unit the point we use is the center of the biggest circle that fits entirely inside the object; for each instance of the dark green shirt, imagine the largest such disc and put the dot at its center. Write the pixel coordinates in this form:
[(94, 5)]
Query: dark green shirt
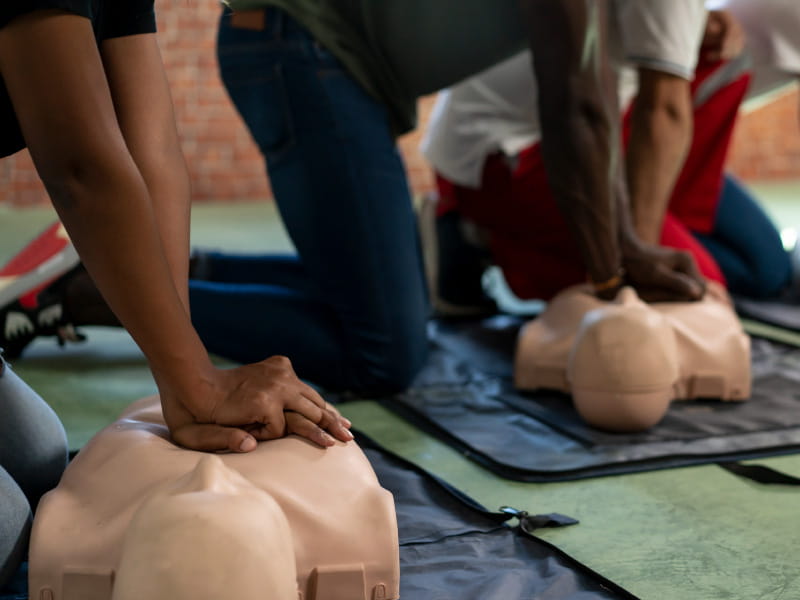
[(399, 50)]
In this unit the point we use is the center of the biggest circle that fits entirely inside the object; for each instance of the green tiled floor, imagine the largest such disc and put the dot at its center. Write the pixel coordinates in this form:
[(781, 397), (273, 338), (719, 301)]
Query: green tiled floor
[(684, 534)]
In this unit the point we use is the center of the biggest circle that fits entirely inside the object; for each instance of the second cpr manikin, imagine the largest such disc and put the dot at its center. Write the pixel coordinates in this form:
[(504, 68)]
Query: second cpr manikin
[(625, 361)]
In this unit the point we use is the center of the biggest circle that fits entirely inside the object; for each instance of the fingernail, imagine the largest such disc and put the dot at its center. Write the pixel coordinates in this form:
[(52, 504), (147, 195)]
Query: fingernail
[(348, 435), (328, 439), (347, 422), (248, 444)]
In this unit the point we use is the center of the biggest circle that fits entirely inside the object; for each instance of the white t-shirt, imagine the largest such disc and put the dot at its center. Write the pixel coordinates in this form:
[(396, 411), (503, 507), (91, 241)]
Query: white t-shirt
[(773, 39), (497, 110)]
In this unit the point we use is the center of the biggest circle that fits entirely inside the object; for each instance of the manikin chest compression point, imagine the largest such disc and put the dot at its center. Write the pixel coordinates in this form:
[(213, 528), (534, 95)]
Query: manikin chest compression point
[(137, 517), (624, 361)]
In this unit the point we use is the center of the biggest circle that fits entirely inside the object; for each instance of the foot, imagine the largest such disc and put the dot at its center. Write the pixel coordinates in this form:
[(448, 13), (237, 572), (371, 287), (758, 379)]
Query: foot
[(20, 325), (36, 266), (31, 290)]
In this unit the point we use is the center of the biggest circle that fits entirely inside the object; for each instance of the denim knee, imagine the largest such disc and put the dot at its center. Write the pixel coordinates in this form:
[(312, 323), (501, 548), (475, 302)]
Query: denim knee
[(770, 280)]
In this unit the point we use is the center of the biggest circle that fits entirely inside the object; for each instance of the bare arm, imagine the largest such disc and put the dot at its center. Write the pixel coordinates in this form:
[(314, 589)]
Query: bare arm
[(581, 148), (661, 132), (54, 74), (96, 187), (579, 125), (144, 110)]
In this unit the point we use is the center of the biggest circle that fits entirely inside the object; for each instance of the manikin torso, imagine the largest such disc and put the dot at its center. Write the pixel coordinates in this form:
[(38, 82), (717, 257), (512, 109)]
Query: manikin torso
[(625, 361), (138, 517)]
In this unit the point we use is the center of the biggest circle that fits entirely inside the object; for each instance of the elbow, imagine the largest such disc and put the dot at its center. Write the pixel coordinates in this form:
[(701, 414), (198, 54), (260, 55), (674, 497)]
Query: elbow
[(676, 112), (67, 181), (84, 171), (78, 181), (664, 99), (668, 124)]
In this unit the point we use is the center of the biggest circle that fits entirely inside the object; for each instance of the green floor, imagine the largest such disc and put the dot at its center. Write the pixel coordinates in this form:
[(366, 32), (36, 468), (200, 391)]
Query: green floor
[(684, 534)]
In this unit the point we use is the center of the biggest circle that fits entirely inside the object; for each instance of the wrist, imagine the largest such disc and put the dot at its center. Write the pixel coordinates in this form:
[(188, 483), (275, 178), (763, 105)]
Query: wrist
[(648, 230), (603, 256), (607, 289), (190, 384), (630, 242)]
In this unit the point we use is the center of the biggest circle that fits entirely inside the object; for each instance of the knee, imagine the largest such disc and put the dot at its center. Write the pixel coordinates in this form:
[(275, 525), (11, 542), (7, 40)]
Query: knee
[(773, 282), (36, 440), (768, 277)]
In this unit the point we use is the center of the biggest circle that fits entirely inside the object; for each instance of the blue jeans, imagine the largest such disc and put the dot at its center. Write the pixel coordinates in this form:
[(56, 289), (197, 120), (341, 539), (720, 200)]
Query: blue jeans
[(746, 245), (350, 310)]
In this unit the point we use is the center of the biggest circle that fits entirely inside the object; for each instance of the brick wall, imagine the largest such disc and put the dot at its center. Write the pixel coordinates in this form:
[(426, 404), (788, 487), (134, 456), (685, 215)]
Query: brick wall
[(226, 166), (224, 163), (766, 143)]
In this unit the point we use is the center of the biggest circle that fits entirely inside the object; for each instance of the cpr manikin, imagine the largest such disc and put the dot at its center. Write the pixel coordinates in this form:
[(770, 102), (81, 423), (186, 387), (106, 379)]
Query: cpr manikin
[(137, 517), (625, 361)]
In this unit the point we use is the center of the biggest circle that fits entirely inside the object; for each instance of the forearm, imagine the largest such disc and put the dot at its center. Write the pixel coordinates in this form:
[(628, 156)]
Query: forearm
[(108, 213), (578, 161), (146, 117), (579, 119), (168, 186), (661, 133)]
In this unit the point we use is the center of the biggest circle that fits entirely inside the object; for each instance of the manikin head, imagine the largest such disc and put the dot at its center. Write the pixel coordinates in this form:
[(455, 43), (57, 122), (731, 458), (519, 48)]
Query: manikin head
[(623, 365), (209, 535)]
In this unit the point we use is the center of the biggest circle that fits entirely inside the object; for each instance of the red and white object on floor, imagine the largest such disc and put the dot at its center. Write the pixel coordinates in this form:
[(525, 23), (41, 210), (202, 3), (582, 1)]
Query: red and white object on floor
[(41, 262)]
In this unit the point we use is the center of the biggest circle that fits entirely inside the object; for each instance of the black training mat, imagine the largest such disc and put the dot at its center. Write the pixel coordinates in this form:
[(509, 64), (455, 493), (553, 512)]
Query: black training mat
[(465, 397), (785, 315), (760, 474), (451, 548)]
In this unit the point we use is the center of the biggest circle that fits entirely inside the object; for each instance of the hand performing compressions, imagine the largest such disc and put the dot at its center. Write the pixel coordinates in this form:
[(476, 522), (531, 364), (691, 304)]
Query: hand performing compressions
[(239, 407), (660, 274)]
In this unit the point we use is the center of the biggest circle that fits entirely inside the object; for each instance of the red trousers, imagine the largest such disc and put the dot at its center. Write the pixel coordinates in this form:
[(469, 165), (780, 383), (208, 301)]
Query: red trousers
[(529, 239)]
